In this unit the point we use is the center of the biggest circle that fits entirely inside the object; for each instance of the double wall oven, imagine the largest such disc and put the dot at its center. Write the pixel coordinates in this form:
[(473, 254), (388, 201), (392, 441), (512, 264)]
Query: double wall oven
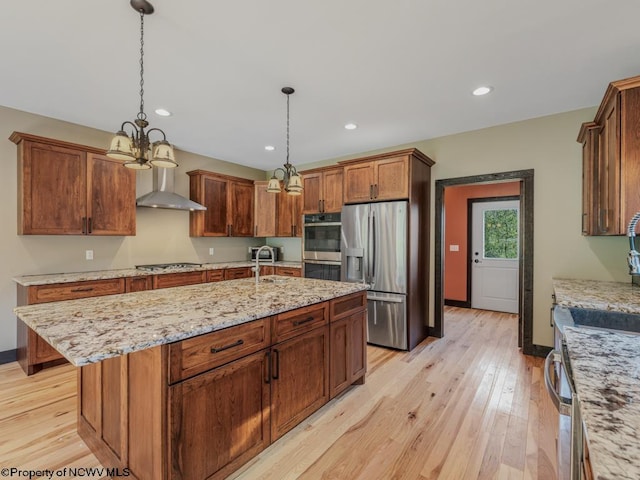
[(321, 246)]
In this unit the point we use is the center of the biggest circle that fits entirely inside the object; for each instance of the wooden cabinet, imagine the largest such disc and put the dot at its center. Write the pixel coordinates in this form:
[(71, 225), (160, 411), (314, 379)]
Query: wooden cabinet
[(238, 272), (179, 279), (611, 157), (219, 419), (300, 379), (348, 338), (323, 190), (288, 271), (588, 136), (215, 275), (229, 202), (138, 284), (289, 215), (382, 177), (264, 211), (33, 352), (69, 189)]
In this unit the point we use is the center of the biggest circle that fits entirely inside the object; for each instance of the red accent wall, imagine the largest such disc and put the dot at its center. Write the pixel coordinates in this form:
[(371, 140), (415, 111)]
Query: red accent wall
[(455, 231)]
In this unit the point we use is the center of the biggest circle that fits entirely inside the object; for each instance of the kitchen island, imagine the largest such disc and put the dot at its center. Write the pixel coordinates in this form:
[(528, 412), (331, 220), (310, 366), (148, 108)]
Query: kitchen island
[(192, 382)]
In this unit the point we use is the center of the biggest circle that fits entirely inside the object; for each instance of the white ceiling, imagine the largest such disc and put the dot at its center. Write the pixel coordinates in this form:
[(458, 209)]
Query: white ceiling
[(402, 70)]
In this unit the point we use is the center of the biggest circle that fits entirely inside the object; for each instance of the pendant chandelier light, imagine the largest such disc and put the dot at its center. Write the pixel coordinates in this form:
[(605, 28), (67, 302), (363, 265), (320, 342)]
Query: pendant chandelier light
[(136, 149), (290, 177)]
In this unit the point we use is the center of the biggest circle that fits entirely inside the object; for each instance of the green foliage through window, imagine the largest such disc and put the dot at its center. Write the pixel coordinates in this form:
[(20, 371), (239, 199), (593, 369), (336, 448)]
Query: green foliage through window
[(501, 234)]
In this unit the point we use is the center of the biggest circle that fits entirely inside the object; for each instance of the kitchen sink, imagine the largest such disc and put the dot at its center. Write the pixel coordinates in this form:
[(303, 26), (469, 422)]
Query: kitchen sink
[(587, 317)]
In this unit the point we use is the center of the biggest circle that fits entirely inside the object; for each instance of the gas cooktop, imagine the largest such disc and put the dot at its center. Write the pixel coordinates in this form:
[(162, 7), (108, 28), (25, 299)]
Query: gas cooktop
[(167, 266)]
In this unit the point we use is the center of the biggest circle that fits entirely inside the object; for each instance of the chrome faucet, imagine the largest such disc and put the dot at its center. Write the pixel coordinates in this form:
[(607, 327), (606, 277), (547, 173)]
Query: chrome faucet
[(256, 269), (633, 259)]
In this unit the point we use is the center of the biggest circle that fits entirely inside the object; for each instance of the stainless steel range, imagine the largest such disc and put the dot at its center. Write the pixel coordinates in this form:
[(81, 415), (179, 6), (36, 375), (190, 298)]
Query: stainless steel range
[(167, 267)]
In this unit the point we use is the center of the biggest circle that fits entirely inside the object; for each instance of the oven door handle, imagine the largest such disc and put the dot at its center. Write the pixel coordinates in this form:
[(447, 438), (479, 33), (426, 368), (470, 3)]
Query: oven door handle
[(562, 404), (323, 224)]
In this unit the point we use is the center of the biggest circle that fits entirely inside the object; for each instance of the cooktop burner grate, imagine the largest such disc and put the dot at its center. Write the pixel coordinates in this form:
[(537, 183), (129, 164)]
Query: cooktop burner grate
[(167, 266)]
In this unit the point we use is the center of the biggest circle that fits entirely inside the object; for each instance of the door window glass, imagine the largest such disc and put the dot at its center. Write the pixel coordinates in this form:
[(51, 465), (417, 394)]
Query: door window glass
[(501, 234)]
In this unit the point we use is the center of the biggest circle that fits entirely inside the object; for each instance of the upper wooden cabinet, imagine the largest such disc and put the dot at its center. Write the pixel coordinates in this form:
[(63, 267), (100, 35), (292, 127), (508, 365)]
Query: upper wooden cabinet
[(611, 161), (381, 177), (589, 138), (323, 189), (288, 215), (229, 202), (69, 189), (265, 210)]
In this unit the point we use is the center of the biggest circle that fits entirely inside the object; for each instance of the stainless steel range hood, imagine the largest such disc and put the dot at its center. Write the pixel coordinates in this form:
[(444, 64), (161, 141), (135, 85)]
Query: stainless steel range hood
[(162, 195)]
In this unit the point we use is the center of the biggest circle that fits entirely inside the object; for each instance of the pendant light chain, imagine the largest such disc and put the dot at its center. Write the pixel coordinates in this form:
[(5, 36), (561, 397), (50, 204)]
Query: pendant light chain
[(142, 115), (288, 129)]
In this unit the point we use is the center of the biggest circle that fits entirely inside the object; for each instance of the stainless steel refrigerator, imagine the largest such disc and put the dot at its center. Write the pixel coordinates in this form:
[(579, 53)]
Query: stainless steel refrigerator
[(374, 251)]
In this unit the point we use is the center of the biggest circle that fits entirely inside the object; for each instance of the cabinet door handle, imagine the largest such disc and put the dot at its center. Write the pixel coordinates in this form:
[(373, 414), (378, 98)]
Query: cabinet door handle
[(375, 190), (302, 322), (323, 206), (82, 289), (89, 225), (227, 347), (84, 225), (320, 205), (267, 377), (276, 373), (371, 191)]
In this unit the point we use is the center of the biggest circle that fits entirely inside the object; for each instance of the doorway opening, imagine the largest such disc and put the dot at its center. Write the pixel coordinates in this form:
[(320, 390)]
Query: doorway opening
[(525, 253)]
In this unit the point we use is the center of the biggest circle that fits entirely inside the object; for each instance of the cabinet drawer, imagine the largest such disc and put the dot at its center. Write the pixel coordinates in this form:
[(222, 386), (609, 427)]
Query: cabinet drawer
[(178, 279), (240, 272), (215, 275), (139, 283), (289, 271), (73, 290), (199, 354), (347, 305), (289, 324)]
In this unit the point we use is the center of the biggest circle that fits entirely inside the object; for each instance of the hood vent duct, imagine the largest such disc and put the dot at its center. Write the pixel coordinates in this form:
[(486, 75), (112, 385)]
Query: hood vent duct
[(162, 195)]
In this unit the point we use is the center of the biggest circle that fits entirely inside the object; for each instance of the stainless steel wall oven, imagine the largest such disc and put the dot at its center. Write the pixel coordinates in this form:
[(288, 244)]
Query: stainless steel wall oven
[(321, 246)]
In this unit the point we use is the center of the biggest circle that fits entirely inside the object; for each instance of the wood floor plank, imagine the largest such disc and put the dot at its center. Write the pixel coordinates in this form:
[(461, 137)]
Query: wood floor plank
[(466, 406)]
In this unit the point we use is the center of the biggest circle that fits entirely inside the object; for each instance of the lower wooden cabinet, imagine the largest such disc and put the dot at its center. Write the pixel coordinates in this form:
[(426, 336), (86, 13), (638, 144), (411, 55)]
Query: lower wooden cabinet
[(220, 419), (348, 359), (289, 271), (300, 379), (205, 424), (179, 279), (138, 284), (239, 272)]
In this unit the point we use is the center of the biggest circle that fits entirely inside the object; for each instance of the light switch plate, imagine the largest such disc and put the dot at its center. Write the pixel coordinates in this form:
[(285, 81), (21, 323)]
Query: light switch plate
[(454, 248), (88, 254), (210, 250)]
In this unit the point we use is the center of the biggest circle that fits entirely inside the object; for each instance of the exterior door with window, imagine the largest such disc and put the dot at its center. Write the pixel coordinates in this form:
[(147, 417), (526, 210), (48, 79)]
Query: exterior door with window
[(494, 255)]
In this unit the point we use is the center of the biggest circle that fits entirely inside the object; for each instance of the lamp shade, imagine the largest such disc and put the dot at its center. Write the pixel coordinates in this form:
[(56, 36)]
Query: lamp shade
[(138, 165), (121, 147), (162, 155), (295, 185), (274, 185)]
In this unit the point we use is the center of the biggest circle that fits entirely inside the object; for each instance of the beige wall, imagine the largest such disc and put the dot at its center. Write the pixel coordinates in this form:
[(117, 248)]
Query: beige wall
[(162, 235), (547, 145)]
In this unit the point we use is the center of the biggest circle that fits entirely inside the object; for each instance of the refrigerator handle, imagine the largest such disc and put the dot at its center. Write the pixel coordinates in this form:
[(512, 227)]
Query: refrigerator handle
[(369, 260), (373, 247)]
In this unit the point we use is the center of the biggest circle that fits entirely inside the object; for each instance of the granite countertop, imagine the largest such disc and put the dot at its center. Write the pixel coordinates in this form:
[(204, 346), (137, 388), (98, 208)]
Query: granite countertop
[(31, 280), (92, 329), (597, 295), (606, 374)]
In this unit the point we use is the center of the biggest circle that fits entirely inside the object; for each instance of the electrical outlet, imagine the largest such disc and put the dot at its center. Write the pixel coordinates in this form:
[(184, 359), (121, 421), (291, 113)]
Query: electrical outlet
[(211, 251), (88, 254)]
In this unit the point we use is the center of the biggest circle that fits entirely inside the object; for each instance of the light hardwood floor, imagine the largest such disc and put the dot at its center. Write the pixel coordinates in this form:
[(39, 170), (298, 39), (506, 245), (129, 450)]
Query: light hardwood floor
[(467, 406)]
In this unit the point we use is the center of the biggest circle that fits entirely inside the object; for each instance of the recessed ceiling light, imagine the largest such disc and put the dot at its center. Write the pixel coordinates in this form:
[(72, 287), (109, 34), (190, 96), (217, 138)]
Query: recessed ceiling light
[(351, 126), (163, 112), (482, 91), (269, 148)]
